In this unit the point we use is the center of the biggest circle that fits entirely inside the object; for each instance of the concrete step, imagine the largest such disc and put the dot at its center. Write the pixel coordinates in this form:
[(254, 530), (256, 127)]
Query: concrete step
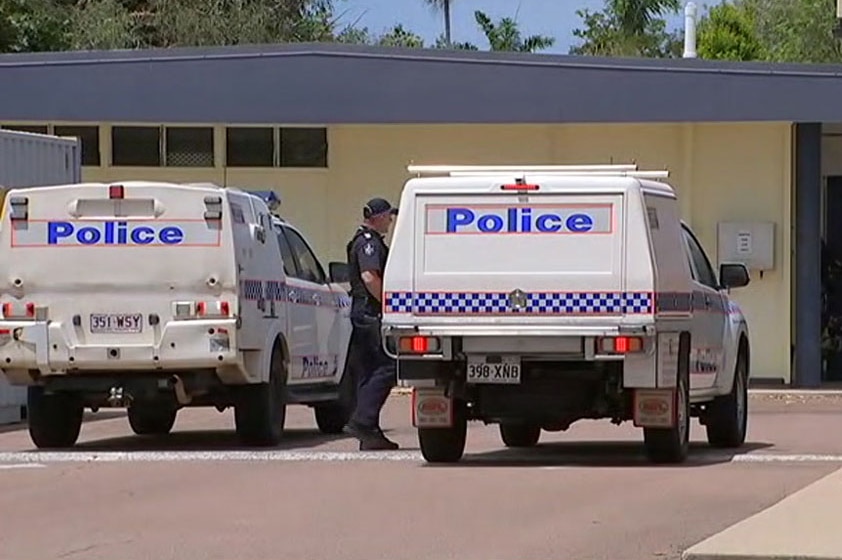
[(803, 526)]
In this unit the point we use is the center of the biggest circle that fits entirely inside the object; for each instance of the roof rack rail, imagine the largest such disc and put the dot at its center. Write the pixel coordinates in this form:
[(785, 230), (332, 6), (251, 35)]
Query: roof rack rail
[(605, 170), (656, 174)]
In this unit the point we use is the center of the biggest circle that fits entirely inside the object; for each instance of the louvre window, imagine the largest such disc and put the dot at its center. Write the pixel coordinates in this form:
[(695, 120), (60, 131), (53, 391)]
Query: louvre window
[(89, 138), (138, 146), (249, 147), (303, 147), (189, 146), (40, 129)]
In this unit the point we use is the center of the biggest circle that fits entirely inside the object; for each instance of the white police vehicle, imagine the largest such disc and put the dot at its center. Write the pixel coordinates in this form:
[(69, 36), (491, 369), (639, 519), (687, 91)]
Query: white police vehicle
[(536, 296), (158, 296)]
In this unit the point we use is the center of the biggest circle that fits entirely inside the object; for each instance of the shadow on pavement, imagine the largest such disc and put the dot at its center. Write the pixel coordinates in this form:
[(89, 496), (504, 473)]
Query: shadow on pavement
[(88, 418), (596, 454), (195, 441)]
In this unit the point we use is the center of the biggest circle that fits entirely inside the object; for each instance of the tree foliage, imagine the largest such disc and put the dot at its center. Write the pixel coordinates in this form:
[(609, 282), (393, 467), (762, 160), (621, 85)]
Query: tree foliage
[(729, 32), (770, 30), (628, 28)]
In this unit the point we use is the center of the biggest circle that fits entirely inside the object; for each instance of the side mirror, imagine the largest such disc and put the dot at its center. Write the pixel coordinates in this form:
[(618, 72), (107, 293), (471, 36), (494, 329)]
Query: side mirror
[(338, 272), (733, 275)]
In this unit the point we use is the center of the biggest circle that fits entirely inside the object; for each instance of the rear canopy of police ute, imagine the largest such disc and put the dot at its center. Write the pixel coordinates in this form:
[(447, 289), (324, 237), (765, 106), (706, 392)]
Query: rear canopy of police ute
[(547, 247), (140, 235)]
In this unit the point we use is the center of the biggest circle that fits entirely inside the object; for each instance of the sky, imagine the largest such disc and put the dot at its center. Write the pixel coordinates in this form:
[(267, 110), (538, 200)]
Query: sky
[(556, 18)]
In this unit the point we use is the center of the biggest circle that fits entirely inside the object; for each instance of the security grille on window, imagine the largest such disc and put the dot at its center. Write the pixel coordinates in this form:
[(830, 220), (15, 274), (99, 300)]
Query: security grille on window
[(303, 147), (137, 146), (189, 146), (249, 147), (89, 138)]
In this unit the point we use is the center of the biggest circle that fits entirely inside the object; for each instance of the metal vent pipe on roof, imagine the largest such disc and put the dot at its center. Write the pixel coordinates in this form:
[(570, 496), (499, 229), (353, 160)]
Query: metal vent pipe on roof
[(690, 30)]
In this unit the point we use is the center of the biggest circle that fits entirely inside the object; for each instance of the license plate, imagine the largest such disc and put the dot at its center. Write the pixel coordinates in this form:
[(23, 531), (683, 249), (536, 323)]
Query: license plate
[(114, 323), (494, 369)]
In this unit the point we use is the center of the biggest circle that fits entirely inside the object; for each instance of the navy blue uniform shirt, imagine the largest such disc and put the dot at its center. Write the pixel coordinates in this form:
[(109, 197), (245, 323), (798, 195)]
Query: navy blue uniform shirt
[(367, 251)]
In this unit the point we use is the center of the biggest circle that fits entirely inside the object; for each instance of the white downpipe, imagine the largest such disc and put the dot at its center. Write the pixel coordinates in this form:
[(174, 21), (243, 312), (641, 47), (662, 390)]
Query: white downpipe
[(690, 29)]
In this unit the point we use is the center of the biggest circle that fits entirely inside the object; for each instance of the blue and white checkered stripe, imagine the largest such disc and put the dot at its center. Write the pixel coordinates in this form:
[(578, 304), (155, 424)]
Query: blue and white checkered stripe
[(542, 303), (280, 291)]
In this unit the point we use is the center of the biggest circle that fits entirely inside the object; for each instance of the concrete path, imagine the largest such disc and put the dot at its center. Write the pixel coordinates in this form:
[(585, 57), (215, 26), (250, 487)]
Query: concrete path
[(803, 526)]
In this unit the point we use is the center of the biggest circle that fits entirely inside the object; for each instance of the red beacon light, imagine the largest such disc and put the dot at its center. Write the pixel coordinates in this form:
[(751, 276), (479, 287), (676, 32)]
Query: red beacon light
[(519, 186), (116, 192)]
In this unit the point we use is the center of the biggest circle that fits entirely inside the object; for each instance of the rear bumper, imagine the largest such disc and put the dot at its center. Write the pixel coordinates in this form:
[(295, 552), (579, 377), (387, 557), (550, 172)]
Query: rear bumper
[(43, 346)]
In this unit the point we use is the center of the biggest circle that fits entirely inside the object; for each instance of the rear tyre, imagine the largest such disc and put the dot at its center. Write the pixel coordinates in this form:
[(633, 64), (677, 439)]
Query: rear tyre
[(727, 416), (54, 420), (445, 445), (520, 435), (260, 413), (151, 420), (672, 445)]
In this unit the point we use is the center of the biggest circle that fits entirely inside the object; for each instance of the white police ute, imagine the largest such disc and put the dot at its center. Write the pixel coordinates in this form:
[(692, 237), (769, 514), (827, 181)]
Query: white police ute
[(158, 296), (536, 296)]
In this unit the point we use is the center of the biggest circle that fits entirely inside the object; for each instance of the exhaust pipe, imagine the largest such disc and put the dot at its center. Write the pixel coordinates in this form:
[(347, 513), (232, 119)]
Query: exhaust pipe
[(180, 393)]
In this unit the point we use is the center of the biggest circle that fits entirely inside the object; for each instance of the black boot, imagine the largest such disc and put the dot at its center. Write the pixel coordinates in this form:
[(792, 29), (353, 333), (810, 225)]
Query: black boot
[(371, 439)]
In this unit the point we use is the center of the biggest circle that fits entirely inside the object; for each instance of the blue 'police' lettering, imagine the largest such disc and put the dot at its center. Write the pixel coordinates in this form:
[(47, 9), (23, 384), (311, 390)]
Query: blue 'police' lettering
[(113, 233), (517, 220)]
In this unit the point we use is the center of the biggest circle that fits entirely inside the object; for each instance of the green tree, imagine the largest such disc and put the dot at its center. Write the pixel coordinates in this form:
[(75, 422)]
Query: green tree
[(505, 35), (102, 24), (796, 30), (628, 28), (33, 26), (444, 6), (729, 32), (398, 36)]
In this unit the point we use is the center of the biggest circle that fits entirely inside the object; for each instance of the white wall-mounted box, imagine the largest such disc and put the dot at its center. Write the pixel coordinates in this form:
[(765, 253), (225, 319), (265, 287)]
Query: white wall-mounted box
[(749, 243)]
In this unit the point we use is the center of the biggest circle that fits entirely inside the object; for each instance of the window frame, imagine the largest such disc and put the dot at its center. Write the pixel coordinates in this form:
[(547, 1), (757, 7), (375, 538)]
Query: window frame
[(291, 234), (323, 160), (205, 130), (161, 156), (690, 242), (86, 149)]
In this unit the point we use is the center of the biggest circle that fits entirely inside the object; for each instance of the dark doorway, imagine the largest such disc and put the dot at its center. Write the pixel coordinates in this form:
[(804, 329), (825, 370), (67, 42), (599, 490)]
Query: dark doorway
[(832, 281)]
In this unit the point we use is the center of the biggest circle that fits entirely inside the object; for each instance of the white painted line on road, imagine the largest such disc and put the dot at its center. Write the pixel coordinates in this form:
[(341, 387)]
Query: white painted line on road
[(22, 466), (11, 459), (163, 456), (775, 458)]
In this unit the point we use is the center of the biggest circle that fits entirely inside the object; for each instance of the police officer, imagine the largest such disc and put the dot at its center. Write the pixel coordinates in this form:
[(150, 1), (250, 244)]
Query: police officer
[(367, 252)]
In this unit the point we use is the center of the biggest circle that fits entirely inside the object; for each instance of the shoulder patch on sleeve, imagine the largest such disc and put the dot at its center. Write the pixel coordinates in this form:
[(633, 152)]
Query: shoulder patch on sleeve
[(368, 249)]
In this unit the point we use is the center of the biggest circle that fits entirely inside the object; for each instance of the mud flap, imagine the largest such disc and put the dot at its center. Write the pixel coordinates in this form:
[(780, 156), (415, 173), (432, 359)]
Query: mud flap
[(655, 408), (431, 408)]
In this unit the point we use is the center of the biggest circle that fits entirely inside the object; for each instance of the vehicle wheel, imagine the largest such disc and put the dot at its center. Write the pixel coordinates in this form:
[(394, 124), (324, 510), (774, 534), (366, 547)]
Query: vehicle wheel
[(671, 445), (445, 445), (260, 413), (520, 435), (331, 417), (54, 420), (727, 416), (151, 419)]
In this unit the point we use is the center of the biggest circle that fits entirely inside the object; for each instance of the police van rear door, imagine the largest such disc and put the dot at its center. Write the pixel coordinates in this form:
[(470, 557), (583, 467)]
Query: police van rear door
[(109, 261), (496, 249)]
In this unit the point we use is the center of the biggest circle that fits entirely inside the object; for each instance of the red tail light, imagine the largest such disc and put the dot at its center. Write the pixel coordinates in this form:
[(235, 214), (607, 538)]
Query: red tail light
[(115, 191), (419, 344), (19, 310), (620, 344)]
